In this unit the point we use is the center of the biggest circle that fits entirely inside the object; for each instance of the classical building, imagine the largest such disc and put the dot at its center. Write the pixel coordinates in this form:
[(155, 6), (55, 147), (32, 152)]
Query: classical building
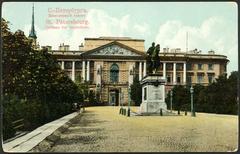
[(109, 64)]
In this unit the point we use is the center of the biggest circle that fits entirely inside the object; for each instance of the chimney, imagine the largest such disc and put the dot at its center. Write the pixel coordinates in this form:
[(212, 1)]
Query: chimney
[(211, 52), (60, 47), (66, 47), (81, 47), (178, 50)]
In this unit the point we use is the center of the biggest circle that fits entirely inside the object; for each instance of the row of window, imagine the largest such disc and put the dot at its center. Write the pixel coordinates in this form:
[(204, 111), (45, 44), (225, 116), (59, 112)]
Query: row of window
[(78, 64), (114, 73), (169, 66), (78, 76), (199, 66), (200, 78)]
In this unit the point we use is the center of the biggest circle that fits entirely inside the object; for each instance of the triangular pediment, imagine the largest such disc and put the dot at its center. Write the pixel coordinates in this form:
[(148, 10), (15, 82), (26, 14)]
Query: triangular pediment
[(115, 49)]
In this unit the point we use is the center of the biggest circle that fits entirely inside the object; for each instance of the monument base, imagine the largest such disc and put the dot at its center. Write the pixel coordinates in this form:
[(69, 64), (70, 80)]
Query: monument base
[(153, 95)]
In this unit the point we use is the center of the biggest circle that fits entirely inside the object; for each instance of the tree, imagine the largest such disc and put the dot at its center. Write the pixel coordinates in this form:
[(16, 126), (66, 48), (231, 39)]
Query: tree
[(180, 97), (34, 80), (136, 92), (218, 97)]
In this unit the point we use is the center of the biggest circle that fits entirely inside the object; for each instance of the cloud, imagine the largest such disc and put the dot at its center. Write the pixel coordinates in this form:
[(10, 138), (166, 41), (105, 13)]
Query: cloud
[(213, 34), (100, 24), (141, 29)]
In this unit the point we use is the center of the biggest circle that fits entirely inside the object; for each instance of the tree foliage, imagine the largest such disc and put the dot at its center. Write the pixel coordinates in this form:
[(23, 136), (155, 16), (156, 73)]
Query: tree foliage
[(34, 80), (136, 92), (218, 97)]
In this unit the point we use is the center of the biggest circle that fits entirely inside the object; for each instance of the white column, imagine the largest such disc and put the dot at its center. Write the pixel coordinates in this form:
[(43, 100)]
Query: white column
[(140, 71), (73, 70), (144, 68), (164, 70), (88, 70), (184, 73), (62, 65), (174, 73), (83, 70)]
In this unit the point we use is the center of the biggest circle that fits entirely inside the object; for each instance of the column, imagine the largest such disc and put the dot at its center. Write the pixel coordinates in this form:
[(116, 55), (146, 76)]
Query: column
[(140, 71), (62, 65), (73, 70), (83, 70), (174, 73), (184, 73), (144, 68), (164, 70), (88, 70)]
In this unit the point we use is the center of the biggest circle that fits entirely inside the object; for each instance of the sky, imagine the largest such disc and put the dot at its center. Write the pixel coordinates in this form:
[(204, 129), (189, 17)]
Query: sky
[(208, 25)]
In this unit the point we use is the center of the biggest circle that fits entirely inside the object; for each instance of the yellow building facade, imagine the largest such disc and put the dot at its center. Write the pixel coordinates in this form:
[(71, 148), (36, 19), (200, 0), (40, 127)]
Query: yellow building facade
[(109, 64)]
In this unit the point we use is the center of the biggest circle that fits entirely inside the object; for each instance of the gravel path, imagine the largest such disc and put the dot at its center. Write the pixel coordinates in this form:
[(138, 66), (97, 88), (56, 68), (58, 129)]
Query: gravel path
[(102, 129)]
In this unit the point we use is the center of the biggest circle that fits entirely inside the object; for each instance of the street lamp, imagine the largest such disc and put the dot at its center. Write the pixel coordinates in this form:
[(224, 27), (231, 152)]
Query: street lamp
[(192, 107), (129, 90), (171, 94)]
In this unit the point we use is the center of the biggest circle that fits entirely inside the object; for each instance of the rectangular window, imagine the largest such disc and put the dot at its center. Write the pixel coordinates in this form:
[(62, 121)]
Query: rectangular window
[(190, 66), (200, 66), (200, 78), (145, 93), (169, 66), (178, 79), (179, 67), (78, 76), (78, 65), (189, 79), (168, 79), (210, 66), (210, 78), (92, 76), (67, 65)]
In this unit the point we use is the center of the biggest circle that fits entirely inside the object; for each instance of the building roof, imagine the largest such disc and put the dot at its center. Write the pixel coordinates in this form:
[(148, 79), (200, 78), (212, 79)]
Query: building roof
[(115, 39)]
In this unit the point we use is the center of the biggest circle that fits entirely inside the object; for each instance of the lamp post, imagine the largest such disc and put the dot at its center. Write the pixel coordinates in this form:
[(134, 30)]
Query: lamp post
[(192, 107), (129, 90), (129, 93), (171, 94)]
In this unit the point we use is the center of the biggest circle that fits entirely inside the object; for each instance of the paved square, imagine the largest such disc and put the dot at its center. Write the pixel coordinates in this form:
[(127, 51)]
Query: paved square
[(102, 129)]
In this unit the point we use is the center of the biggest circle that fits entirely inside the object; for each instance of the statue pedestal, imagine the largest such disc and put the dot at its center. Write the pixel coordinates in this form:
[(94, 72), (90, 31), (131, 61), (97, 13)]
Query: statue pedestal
[(153, 95)]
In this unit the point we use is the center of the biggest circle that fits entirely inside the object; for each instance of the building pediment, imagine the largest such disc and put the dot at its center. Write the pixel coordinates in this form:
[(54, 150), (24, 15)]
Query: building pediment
[(113, 49)]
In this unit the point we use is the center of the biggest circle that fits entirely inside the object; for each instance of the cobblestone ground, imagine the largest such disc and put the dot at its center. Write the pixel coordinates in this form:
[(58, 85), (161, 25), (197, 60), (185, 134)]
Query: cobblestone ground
[(102, 129)]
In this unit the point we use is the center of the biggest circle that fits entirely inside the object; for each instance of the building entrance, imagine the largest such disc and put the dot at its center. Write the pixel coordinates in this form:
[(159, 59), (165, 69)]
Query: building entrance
[(114, 97)]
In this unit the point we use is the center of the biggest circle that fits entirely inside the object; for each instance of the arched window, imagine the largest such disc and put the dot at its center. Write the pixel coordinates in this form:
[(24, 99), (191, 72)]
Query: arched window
[(114, 73)]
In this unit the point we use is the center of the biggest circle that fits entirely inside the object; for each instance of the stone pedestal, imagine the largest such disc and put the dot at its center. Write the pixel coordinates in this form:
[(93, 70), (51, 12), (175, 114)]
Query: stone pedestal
[(153, 94)]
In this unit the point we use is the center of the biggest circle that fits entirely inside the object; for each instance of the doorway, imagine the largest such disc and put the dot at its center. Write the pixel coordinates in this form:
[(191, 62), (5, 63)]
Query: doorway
[(114, 97)]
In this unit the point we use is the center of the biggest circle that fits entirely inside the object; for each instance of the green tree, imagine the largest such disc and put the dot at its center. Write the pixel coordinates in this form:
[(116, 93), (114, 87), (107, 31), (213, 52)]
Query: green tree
[(180, 97), (136, 92), (42, 89)]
